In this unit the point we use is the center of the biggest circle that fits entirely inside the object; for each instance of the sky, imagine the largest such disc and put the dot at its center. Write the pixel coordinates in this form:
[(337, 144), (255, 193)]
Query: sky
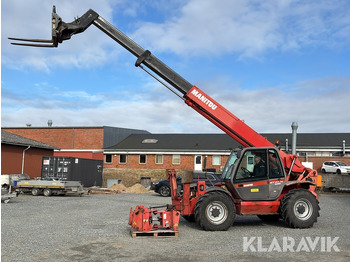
[(270, 63)]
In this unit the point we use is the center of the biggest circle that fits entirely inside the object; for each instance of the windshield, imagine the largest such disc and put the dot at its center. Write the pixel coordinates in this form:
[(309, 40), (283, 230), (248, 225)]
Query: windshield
[(341, 164), (226, 174)]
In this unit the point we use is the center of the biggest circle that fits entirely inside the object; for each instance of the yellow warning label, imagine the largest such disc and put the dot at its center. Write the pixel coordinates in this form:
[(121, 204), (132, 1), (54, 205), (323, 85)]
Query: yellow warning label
[(254, 190)]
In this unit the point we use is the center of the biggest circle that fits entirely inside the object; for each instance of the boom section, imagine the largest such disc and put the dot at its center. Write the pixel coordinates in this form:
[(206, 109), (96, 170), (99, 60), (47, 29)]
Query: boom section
[(192, 95), (224, 119)]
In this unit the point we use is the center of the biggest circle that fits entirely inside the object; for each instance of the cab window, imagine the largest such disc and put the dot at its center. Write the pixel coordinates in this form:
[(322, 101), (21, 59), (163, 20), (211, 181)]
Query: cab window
[(253, 165), (275, 167)]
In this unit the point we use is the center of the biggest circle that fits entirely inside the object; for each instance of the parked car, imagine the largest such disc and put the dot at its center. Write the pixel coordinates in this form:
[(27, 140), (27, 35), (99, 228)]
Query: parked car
[(162, 187), (335, 167)]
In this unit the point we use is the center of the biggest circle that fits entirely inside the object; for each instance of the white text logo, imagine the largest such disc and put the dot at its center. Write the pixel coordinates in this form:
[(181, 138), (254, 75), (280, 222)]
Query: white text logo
[(204, 99), (289, 244)]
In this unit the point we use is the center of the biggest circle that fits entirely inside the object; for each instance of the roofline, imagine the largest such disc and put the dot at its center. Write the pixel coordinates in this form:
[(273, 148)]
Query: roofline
[(71, 127), (79, 150), (54, 127), (48, 147)]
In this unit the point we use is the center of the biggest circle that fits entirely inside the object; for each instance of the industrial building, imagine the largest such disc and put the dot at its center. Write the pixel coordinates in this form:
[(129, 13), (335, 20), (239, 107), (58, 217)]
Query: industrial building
[(138, 152)]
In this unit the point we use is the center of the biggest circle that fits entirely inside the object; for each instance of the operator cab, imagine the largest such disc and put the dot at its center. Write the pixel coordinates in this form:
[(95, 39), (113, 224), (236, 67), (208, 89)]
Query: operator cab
[(254, 174)]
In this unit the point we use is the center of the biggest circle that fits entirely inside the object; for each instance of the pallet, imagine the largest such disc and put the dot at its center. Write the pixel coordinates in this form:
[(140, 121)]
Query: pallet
[(156, 233)]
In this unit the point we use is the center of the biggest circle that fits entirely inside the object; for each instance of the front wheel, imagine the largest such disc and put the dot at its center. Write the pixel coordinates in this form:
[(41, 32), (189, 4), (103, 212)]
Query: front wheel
[(300, 209), (215, 211), (164, 191), (36, 191)]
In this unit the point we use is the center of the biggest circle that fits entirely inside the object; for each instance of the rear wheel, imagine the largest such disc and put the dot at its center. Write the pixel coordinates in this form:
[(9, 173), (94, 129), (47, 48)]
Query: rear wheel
[(47, 192), (214, 211), (300, 209)]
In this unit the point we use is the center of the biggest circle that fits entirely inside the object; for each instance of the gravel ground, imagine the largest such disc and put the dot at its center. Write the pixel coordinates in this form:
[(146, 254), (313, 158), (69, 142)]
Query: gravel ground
[(95, 228)]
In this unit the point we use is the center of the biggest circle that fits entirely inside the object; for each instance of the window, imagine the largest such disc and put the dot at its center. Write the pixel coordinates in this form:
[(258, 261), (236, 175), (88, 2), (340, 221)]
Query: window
[(252, 166), (122, 159), (159, 159), (108, 159), (142, 159), (216, 160), (176, 160), (275, 168), (149, 141)]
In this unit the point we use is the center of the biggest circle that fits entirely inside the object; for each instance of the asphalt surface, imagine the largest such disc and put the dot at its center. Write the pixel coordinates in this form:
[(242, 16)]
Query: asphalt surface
[(95, 228)]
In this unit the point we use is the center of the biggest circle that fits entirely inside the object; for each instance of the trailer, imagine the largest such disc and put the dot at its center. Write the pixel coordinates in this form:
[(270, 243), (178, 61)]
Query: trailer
[(50, 187)]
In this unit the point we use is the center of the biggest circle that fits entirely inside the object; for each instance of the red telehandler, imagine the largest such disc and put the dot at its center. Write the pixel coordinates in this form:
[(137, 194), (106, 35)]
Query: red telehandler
[(257, 180)]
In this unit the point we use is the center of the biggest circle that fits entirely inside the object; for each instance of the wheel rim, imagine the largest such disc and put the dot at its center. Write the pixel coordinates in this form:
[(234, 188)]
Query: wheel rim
[(303, 209), (216, 212), (164, 191)]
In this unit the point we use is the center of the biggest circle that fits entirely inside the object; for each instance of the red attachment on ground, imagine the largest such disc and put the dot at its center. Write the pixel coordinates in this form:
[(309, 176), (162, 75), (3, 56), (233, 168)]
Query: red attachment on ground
[(144, 219)]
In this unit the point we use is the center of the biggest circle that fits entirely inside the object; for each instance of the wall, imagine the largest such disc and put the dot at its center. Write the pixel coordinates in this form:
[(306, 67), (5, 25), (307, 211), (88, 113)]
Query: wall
[(318, 161), (65, 138), (186, 162), (11, 160), (79, 154), (131, 172)]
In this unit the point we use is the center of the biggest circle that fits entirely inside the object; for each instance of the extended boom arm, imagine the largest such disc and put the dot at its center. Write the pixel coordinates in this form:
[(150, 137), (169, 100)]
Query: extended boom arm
[(191, 94)]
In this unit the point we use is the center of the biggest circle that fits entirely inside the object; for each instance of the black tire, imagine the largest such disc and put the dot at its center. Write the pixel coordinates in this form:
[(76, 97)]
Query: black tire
[(215, 211), (47, 192), (36, 191), (338, 171), (324, 171), (164, 191), (300, 208)]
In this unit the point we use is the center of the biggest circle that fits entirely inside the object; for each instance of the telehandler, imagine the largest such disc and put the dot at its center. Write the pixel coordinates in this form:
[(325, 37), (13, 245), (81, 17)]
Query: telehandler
[(257, 180)]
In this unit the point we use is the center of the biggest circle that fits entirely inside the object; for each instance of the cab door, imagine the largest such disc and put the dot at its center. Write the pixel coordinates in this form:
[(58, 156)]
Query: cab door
[(259, 175), (276, 174), (251, 178)]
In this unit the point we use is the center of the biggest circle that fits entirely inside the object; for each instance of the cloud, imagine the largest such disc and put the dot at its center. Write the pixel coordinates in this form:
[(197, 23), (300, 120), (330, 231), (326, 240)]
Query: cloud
[(186, 28), (191, 29), (248, 28), (269, 110), (31, 19)]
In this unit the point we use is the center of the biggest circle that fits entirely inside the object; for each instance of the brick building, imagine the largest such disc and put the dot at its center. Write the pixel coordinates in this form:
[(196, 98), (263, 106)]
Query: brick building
[(83, 142), (179, 151), (191, 151), (130, 152), (20, 155)]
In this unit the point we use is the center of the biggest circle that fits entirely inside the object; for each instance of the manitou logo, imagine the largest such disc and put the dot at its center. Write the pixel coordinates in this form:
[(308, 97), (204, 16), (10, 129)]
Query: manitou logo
[(289, 244), (204, 99)]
